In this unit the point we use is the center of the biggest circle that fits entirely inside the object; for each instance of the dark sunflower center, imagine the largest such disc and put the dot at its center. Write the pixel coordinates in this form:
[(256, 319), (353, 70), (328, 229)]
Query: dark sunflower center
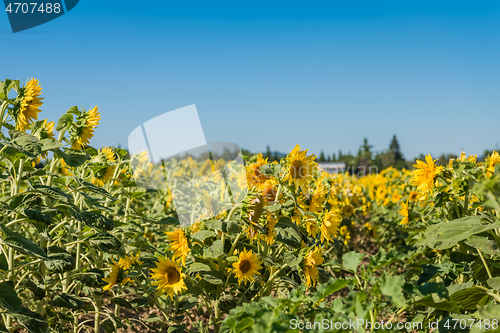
[(297, 169), (172, 275), (245, 266)]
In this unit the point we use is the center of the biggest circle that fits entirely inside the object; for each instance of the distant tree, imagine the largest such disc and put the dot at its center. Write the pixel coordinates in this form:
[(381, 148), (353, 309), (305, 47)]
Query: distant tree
[(321, 157), (275, 156), (366, 149), (395, 148), (329, 158), (333, 157), (268, 152), (340, 155)]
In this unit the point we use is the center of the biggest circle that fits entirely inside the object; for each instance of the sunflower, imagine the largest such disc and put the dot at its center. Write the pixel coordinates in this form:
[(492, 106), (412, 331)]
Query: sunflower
[(346, 234), (102, 176), (414, 196), (45, 131), (117, 275), (313, 258), (425, 175), (247, 266), (493, 160), (270, 232), (128, 261), (318, 198), (179, 244), (169, 277), (30, 104), (65, 169), (81, 135), (348, 210), (300, 167), (405, 213), (254, 176), (330, 224)]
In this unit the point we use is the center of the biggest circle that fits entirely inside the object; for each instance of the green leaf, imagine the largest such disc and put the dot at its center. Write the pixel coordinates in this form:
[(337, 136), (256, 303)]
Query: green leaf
[(494, 283), (60, 260), (484, 245), (198, 267), (291, 259), (9, 298), (104, 242), (122, 302), (436, 302), (215, 250), (67, 301), (92, 278), (91, 187), (288, 233), (74, 158), (65, 120), (22, 244), (232, 227), (177, 329), (243, 324), (447, 234), (32, 321), (468, 298), (95, 220), (213, 277), (203, 234), (326, 289), (392, 287), (50, 144), (30, 144), (351, 260)]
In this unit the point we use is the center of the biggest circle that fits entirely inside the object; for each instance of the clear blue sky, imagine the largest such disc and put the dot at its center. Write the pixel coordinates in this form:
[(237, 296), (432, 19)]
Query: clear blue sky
[(323, 74)]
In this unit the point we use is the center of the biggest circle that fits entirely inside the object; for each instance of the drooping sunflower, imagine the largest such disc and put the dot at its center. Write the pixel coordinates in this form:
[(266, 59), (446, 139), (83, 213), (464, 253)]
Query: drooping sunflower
[(254, 176), (102, 176), (116, 276), (30, 104), (313, 258), (169, 277), (82, 134), (270, 232), (300, 167), (405, 213), (492, 161), (425, 175), (247, 266), (179, 244), (128, 261), (330, 225), (44, 131)]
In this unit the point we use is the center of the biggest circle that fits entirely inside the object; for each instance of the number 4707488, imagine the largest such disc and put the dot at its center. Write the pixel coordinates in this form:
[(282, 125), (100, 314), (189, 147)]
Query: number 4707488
[(33, 7), (469, 323)]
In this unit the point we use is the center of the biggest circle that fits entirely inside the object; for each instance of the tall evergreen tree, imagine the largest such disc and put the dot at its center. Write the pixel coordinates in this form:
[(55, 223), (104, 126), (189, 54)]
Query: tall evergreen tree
[(321, 157)]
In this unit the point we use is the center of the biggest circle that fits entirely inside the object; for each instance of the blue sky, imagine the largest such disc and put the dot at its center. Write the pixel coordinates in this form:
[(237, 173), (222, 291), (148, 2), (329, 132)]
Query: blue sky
[(323, 74)]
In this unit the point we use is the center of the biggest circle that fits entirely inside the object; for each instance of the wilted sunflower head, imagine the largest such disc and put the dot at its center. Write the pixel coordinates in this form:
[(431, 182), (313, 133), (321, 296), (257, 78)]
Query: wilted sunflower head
[(30, 103)]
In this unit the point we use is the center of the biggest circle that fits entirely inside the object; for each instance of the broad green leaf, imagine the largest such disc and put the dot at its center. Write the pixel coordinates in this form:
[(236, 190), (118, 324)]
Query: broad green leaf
[(351, 260), (67, 301), (60, 260), (22, 244), (243, 324), (484, 245), (392, 287), (215, 250), (74, 158), (91, 187), (468, 298), (63, 123), (448, 234), (104, 242), (203, 234), (494, 283), (8, 297), (32, 321), (287, 232)]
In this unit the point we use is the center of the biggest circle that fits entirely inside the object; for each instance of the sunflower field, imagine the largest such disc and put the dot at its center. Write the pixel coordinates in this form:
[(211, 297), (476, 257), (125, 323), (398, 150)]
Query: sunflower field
[(84, 248)]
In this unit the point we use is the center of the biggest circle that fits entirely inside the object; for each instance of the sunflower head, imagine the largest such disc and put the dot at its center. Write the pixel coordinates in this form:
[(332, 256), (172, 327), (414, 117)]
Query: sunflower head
[(330, 224), (82, 130), (300, 168), (118, 275), (424, 177), (404, 211), (169, 277), (179, 244), (247, 266), (254, 176), (30, 103), (491, 162)]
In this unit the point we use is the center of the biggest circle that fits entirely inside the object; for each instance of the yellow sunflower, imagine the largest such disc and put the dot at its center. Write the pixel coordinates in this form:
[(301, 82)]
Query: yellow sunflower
[(405, 213), (45, 131), (330, 224), (128, 261), (82, 135), (30, 104), (179, 244), (254, 176), (102, 176), (300, 167), (425, 175), (346, 234), (493, 160), (247, 266), (117, 275), (313, 258), (169, 277)]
